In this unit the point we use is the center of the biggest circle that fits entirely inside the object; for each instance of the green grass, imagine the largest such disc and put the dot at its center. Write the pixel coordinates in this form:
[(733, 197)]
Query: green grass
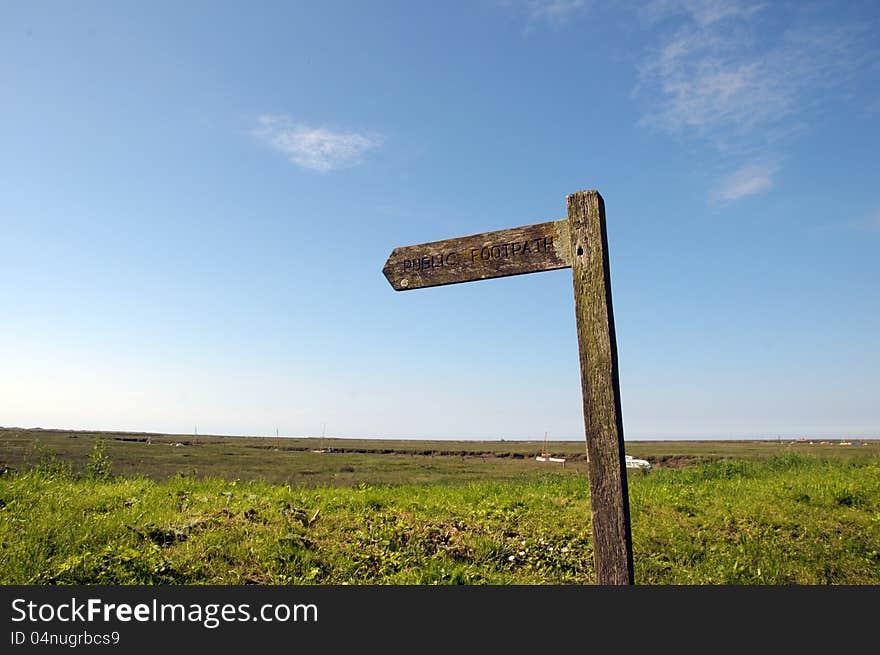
[(783, 519)]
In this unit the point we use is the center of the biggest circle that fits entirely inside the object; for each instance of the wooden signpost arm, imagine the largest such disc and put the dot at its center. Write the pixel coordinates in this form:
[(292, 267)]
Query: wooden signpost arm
[(597, 343)]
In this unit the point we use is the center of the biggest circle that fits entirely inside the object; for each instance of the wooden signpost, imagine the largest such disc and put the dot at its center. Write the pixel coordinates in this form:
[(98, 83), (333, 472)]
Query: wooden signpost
[(580, 243), (528, 249)]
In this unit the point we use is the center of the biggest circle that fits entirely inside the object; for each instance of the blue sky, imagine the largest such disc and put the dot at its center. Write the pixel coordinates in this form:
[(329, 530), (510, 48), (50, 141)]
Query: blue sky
[(196, 202)]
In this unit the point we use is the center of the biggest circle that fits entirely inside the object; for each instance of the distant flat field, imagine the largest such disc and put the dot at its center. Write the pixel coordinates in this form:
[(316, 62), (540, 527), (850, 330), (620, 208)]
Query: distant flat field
[(349, 462)]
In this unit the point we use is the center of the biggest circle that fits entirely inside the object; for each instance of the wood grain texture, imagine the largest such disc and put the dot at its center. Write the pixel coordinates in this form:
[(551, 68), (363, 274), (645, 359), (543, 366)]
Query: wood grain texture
[(597, 343), (518, 250)]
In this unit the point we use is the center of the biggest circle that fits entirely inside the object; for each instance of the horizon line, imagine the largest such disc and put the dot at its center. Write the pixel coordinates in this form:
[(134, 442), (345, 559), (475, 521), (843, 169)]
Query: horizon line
[(778, 437)]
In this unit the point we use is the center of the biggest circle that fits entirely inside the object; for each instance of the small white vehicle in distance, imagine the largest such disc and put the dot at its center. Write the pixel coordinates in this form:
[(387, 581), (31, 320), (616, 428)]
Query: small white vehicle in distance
[(633, 463)]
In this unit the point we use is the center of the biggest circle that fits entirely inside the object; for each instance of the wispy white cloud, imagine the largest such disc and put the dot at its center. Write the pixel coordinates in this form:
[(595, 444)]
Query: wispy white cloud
[(315, 148), (703, 12), (745, 181), (553, 11), (719, 74), (746, 80), (540, 13), (701, 91)]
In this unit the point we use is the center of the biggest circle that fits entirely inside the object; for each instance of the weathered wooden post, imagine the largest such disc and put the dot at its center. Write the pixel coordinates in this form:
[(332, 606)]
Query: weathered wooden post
[(578, 242), (603, 421)]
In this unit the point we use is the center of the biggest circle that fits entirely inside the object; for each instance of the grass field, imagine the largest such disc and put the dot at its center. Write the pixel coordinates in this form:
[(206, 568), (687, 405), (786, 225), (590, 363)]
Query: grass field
[(236, 511), (371, 461)]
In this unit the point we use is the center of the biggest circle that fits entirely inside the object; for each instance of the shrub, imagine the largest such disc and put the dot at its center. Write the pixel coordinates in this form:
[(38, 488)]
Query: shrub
[(45, 460), (98, 466)]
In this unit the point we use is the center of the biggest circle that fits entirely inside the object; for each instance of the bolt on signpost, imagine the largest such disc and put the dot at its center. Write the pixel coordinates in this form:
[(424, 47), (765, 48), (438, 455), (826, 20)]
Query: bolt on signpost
[(578, 242)]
